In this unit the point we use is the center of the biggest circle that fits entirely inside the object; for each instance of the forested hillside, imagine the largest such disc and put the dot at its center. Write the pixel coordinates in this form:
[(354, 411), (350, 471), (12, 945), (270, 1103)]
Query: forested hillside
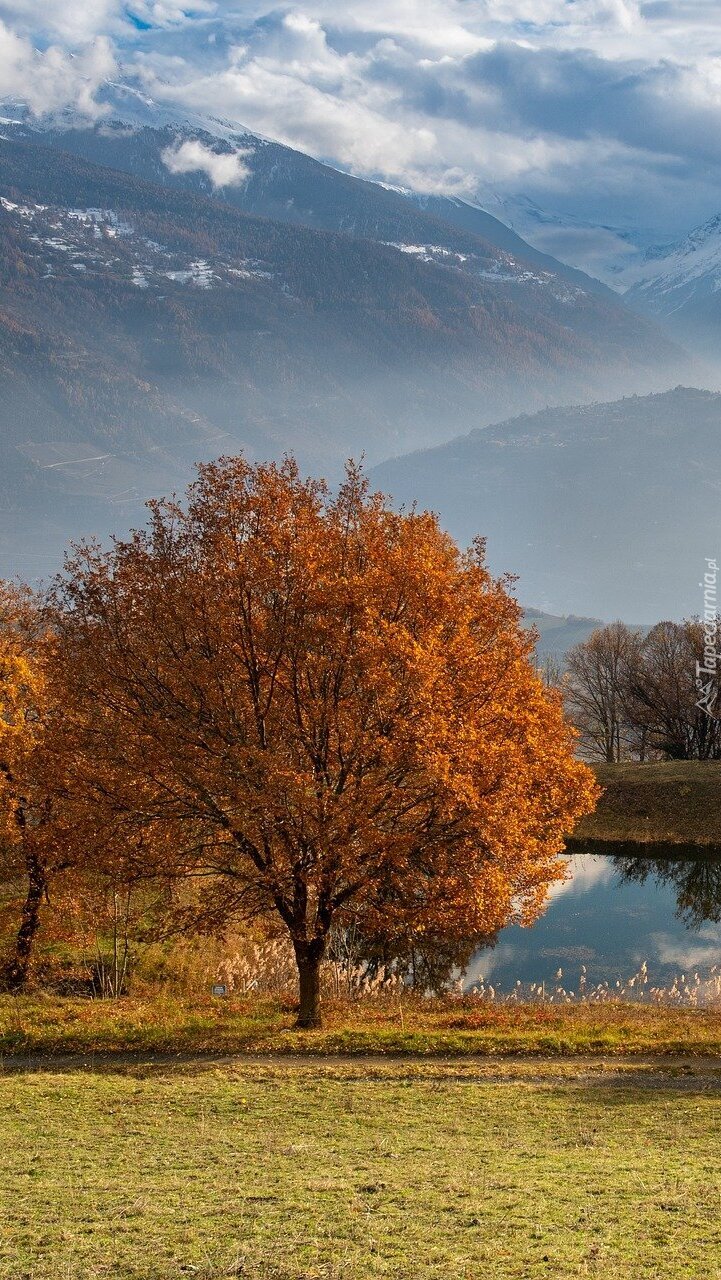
[(288, 186)]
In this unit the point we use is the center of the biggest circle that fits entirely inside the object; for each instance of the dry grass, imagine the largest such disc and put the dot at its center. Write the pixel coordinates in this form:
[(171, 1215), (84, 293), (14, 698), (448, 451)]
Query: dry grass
[(399, 1024), (666, 802)]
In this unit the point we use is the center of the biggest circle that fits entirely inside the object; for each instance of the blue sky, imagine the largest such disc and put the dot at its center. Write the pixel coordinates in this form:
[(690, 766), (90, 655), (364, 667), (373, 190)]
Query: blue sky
[(608, 110)]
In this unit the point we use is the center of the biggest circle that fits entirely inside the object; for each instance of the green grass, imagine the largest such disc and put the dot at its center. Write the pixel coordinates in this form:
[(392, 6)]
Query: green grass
[(306, 1172), (46, 1025), (666, 802)]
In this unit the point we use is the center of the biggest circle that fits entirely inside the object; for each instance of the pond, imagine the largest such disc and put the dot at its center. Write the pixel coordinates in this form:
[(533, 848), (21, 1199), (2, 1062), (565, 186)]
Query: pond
[(613, 914)]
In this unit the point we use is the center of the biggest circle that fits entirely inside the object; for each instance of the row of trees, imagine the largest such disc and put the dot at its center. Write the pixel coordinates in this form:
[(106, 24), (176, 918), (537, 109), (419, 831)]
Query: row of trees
[(282, 703), (635, 695)]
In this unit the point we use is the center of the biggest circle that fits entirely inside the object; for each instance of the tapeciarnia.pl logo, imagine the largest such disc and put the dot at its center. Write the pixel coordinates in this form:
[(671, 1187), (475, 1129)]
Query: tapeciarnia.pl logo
[(707, 671)]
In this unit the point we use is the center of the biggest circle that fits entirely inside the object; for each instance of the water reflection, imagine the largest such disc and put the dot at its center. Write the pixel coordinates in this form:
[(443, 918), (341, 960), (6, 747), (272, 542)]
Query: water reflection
[(615, 912), (695, 881)]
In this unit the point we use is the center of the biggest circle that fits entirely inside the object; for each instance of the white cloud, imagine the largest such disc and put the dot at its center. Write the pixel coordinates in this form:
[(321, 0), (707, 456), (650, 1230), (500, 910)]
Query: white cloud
[(290, 84), (225, 169), (450, 27), (75, 22), (584, 873), (50, 79), (557, 101), (702, 949), (608, 110)]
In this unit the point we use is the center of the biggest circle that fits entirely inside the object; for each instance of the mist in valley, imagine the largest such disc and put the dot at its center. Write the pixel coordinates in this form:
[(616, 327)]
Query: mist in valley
[(154, 319)]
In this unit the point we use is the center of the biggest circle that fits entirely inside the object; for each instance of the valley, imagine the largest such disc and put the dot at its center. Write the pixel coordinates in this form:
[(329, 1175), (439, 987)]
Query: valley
[(149, 321), (605, 509)]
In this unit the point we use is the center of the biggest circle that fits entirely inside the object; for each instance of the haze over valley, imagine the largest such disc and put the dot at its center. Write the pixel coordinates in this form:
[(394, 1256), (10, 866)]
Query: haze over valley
[(536, 363), (603, 509), (157, 309)]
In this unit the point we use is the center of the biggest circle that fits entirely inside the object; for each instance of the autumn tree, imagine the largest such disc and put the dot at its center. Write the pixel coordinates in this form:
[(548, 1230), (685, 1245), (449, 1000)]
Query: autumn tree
[(322, 710), (21, 704), (29, 849)]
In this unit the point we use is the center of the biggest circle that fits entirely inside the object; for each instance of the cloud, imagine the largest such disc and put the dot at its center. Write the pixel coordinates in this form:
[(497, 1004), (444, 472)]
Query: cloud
[(555, 100), (584, 874), (604, 110), (52, 78), (225, 169), (702, 949), (71, 22), (77, 22), (291, 84)]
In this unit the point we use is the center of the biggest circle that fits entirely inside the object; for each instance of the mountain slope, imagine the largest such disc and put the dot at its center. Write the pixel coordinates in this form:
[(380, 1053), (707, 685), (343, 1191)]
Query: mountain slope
[(137, 134), (472, 218), (557, 635), (605, 509), (144, 327), (601, 249), (680, 284), (116, 231)]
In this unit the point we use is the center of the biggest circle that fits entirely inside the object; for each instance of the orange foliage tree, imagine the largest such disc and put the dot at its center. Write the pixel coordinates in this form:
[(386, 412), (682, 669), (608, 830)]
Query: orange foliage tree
[(30, 848), (321, 707)]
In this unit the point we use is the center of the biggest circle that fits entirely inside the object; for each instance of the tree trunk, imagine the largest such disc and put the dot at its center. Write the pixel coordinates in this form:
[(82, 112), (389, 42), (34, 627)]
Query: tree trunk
[(308, 957), (18, 970)]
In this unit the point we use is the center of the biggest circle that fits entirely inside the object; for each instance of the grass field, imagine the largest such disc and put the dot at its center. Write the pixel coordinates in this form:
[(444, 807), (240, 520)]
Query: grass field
[(352, 1171), (46, 1025), (665, 802)]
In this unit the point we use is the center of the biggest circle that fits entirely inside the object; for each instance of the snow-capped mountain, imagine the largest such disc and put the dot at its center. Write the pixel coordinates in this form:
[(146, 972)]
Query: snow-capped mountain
[(602, 250), (680, 285), (126, 103), (158, 143), (139, 135), (136, 133)]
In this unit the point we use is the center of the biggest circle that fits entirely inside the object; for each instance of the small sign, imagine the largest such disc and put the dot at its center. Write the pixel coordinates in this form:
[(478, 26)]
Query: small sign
[(220, 989)]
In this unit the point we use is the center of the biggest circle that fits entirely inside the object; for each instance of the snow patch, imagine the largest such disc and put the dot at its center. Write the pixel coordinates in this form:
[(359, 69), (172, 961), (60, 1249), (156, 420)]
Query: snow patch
[(248, 272), (673, 276), (428, 252), (102, 218), (24, 210), (200, 274)]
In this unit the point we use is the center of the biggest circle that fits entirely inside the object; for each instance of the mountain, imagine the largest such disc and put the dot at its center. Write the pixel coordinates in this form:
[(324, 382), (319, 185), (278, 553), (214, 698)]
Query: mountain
[(606, 509), (679, 285), (138, 136), (146, 325), (556, 635), (467, 216), (603, 250)]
